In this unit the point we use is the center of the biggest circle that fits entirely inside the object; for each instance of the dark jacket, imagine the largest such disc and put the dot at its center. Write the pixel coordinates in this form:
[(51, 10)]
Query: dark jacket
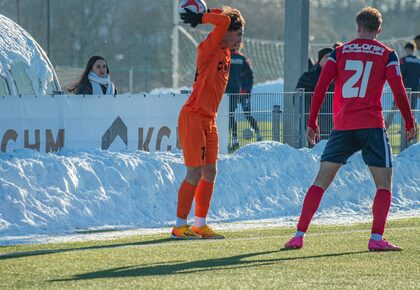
[(241, 78), (309, 79), (410, 70), (85, 88)]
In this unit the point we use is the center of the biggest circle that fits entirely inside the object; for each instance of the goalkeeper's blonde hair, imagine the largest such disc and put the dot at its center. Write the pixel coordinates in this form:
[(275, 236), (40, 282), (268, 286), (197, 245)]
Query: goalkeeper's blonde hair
[(236, 20)]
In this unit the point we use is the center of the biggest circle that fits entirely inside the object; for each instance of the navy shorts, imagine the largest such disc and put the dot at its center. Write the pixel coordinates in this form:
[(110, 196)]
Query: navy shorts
[(374, 143)]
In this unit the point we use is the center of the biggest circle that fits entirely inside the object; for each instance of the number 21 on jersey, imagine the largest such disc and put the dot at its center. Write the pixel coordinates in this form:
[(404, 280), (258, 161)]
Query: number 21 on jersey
[(360, 71)]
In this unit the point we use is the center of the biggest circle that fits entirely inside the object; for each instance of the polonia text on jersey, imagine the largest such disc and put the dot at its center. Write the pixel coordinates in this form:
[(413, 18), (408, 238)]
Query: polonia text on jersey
[(364, 48)]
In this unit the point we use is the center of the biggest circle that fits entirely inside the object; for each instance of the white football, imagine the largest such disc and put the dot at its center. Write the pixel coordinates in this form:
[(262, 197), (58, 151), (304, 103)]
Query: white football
[(196, 6)]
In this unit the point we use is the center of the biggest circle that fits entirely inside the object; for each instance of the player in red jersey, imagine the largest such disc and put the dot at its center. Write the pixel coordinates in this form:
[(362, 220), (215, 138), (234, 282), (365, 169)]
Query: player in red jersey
[(360, 69), (197, 119)]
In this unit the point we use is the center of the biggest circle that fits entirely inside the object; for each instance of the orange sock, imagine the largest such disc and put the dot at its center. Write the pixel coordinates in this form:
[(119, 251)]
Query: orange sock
[(203, 197), (185, 198)]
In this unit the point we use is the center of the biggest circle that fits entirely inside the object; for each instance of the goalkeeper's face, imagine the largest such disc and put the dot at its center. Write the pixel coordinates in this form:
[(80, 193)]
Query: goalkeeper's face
[(233, 38)]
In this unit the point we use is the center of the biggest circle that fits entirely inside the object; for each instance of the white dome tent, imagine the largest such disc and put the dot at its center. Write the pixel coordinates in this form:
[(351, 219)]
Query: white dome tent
[(24, 67)]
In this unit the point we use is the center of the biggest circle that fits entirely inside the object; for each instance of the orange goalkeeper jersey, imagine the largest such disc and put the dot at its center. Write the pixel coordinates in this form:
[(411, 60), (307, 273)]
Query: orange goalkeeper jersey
[(213, 64)]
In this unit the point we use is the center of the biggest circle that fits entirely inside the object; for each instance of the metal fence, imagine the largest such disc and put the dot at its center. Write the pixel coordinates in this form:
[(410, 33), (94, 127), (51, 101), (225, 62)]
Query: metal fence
[(267, 56), (261, 116)]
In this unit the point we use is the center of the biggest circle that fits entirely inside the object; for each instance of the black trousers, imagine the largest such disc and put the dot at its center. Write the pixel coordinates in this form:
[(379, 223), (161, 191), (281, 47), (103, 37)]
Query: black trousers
[(245, 101)]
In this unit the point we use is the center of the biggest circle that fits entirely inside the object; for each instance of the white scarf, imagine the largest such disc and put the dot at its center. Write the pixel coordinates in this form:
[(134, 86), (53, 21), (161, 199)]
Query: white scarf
[(96, 81)]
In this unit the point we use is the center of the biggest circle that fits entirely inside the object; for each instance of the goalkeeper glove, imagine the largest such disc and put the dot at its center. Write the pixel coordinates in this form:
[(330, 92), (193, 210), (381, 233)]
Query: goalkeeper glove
[(191, 18)]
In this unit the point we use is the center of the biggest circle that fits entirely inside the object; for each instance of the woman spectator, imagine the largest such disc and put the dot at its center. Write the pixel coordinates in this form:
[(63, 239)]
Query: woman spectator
[(95, 79)]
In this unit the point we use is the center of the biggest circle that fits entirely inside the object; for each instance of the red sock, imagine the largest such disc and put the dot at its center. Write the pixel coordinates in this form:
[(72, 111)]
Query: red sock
[(203, 197), (380, 208), (185, 198), (310, 205)]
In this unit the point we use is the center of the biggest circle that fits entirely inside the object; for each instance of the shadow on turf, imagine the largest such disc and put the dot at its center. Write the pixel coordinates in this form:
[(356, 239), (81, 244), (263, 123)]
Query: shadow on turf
[(233, 262), (16, 255)]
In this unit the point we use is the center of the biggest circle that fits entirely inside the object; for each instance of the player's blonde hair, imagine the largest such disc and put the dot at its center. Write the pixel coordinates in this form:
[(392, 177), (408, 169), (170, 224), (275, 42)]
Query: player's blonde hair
[(236, 20), (369, 18)]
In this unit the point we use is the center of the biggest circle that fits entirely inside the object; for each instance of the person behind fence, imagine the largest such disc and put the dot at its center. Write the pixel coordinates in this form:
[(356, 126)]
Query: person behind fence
[(417, 42), (310, 63), (197, 119), (239, 87), (308, 81), (360, 69), (95, 79), (410, 70)]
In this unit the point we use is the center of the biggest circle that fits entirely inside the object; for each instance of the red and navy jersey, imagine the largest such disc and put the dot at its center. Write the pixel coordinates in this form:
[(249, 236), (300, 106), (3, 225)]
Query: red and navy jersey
[(360, 69), (241, 77)]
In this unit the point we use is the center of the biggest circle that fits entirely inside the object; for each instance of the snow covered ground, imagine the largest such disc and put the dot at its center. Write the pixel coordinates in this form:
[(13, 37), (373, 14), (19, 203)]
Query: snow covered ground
[(45, 195), (275, 86)]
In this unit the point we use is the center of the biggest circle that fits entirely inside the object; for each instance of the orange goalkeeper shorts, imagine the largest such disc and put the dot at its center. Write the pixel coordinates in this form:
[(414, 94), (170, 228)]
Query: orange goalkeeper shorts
[(199, 138)]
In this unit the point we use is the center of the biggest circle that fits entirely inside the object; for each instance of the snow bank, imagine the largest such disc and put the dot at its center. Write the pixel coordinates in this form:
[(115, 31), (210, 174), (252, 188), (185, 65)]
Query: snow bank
[(50, 193)]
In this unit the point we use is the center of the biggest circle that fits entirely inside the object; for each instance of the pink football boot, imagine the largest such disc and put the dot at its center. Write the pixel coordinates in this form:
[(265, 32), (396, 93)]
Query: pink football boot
[(382, 245), (294, 243)]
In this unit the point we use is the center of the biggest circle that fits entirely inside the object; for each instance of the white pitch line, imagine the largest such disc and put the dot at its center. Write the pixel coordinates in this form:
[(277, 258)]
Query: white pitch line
[(112, 234), (183, 242)]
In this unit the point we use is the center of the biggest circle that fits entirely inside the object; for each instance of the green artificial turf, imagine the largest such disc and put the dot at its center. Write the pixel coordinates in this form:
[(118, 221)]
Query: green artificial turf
[(334, 257)]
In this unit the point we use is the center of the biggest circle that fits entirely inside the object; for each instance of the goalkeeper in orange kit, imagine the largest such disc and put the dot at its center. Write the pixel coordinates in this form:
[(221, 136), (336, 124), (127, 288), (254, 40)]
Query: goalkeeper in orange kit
[(197, 119)]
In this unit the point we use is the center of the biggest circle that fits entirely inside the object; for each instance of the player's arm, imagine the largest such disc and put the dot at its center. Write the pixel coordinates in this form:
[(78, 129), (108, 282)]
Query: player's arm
[(327, 75), (393, 76), (215, 11), (221, 23), (213, 16)]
